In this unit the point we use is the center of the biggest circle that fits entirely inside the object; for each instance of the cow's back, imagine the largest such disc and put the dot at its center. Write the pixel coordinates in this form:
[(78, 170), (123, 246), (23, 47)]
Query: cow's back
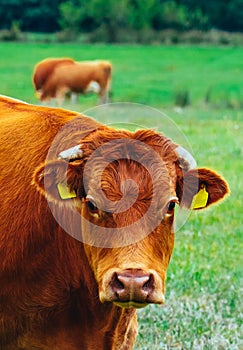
[(78, 76), (45, 68), (26, 134)]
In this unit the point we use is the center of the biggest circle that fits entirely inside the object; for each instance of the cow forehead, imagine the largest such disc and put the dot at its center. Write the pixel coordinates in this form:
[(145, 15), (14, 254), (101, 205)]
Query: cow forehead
[(122, 155), (123, 182), (149, 137), (130, 175), (141, 146)]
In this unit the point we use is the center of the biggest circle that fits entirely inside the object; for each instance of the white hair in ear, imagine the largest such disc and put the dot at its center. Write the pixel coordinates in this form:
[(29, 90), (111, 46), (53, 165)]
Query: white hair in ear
[(71, 153), (186, 157)]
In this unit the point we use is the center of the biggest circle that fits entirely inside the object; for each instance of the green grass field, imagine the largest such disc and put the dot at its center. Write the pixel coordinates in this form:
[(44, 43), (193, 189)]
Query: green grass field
[(203, 309)]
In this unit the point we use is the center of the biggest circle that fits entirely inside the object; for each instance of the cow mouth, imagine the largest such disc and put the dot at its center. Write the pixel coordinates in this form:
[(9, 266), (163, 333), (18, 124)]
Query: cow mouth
[(130, 304)]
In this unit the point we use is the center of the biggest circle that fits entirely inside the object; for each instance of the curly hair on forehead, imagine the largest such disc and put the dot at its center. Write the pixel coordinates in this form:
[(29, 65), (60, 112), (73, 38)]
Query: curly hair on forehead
[(101, 136)]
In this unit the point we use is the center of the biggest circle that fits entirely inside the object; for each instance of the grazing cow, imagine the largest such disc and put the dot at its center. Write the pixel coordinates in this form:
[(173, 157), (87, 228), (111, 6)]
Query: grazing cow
[(114, 192), (81, 77), (44, 69)]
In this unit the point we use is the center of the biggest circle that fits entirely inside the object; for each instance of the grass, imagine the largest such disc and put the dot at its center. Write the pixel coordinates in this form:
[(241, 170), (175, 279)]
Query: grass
[(203, 309), (143, 74)]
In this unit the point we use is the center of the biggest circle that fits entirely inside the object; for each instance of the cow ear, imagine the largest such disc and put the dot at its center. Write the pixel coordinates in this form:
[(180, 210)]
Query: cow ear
[(200, 188), (59, 180)]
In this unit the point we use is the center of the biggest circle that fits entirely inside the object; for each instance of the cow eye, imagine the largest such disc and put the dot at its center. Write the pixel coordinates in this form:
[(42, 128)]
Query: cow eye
[(171, 206), (91, 205)]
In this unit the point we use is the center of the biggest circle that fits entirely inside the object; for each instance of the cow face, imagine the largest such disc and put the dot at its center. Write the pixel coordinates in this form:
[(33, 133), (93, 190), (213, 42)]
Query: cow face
[(125, 187)]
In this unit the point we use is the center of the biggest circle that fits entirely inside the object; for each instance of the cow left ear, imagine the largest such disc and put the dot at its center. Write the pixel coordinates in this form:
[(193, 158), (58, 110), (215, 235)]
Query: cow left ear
[(59, 180), (200, 188)]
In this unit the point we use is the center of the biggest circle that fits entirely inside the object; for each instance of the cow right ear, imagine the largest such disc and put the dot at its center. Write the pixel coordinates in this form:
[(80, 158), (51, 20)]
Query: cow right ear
[(59, 180)]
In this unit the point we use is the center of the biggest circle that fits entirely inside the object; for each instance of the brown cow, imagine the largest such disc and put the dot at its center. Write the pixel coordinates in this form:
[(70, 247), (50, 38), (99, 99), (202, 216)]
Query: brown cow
[(81, 77), (114, 192), (44, 69)]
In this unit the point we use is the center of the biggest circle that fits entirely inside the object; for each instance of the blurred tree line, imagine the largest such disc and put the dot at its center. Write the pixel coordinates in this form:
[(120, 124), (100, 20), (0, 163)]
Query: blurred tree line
[(111, 17)]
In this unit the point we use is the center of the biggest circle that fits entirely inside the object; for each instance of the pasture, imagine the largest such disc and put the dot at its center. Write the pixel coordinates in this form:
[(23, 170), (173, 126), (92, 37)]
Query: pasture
[(203, 309)]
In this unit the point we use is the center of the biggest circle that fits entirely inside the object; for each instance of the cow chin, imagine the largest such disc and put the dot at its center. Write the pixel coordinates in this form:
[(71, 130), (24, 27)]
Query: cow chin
[(131, 304), (132, 288)]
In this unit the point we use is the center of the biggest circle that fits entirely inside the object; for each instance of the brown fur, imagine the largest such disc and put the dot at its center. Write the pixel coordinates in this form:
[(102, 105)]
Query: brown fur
[(44, 69), (76, 78), (51, 285)]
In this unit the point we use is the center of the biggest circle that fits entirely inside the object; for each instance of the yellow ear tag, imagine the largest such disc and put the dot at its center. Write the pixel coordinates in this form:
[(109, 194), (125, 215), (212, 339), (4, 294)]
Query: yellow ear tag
[(200, 199), (64, 191)]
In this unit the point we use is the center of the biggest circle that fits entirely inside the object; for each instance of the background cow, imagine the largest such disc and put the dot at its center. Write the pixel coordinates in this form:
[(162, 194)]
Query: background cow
[(44, 69), (58, 292), (81, 77)]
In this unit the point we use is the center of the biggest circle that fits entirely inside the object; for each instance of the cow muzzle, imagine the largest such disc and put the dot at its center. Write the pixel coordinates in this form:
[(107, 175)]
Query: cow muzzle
[(132, 288)]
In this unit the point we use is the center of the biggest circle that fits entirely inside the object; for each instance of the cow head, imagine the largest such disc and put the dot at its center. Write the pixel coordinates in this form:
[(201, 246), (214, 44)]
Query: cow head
[(124, 187)]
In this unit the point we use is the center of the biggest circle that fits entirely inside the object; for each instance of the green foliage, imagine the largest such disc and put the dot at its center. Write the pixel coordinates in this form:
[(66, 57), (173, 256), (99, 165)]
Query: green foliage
[(12, 34), (109, 14), (112, 20), (141, 13), (171, 15), (32, 15), (222, 14), (70, 16)]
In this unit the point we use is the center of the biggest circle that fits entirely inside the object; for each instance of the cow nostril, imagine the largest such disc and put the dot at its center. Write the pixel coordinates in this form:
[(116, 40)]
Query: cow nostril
[(116, 284), (149, 284)]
